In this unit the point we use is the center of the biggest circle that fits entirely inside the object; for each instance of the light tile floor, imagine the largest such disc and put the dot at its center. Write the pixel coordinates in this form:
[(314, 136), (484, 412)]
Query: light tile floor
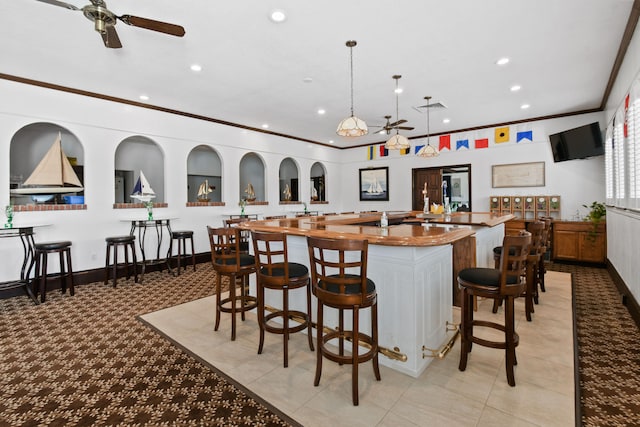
[(442, 395)]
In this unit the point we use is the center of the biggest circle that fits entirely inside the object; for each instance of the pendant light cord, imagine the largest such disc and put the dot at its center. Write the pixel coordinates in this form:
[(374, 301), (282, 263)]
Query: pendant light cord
[(351, 67)]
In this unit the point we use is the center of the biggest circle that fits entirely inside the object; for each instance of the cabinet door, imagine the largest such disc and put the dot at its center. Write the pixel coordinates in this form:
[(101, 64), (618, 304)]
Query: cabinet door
[(566, 245), (592, 247)]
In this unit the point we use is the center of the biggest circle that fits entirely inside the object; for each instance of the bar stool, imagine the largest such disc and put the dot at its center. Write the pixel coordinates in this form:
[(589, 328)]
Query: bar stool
[(505, 284), (126, 242), (536, 251), (230, 262), (181, 237), (276, 272), (42, 251), (339, 280), (244, 235)]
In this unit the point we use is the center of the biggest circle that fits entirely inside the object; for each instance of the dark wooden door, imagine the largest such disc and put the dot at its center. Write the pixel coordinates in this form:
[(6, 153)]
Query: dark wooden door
[(433, 178)]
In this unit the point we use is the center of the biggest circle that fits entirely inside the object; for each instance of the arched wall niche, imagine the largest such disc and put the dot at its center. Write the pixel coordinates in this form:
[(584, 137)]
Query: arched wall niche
[(29, 145), (318, 184), (204, 168), (289, 177), (252, 171), (134, 154)]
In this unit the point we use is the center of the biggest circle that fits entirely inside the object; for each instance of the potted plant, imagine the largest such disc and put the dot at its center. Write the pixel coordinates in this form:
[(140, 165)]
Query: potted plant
[(596, 214)]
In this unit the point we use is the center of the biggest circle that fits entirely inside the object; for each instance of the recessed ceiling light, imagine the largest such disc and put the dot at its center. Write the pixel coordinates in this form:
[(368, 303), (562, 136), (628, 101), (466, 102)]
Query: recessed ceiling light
[(331, 141), (307, 80), (515, 88), (196, 67), (265, 126), (398, 90), (321, 111), (446, 120), (278, 16), (502, 61), (524, 106), (144, 97)]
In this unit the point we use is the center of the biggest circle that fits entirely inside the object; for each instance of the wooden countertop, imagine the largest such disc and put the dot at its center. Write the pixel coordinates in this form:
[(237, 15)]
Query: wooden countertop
[(487, 219), (362, 225)]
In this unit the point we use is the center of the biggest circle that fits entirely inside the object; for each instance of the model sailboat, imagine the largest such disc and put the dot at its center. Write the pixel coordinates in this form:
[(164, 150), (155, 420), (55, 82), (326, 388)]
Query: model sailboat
[(53, 174), (143, 191), (204, 190), (251, 194)]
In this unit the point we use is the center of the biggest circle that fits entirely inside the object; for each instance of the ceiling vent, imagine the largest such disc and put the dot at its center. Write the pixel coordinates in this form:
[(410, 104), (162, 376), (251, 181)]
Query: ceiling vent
[(435, 106)]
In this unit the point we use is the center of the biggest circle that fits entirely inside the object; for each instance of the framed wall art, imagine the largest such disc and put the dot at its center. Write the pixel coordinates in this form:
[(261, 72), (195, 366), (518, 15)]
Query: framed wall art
[(374, 184), (518, 175)]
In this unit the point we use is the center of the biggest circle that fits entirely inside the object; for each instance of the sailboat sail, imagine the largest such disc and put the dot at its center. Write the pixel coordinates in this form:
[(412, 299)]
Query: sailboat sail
[(204, 190), (53, 174), (375, 187), (142, 190)]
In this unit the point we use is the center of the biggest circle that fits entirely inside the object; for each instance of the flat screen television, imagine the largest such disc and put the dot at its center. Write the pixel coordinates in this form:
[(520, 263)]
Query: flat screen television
[(579, 143)]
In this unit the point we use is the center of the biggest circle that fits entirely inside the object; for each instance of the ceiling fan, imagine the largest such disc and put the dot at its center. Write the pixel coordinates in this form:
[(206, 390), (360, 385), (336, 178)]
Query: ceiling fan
[(104, 21), (395, 125)]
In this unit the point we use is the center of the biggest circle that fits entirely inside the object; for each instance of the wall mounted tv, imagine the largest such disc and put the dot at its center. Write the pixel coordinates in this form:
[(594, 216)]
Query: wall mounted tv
[(579, 143)]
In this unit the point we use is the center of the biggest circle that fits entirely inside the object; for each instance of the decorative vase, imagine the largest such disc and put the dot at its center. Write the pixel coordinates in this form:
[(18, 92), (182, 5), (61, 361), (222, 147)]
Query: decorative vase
[(149, 211)]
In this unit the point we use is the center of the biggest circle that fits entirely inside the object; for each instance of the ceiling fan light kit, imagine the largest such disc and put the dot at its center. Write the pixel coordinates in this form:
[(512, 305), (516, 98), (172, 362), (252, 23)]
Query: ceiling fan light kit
[(397, 141), (352, 126), (428, 150)]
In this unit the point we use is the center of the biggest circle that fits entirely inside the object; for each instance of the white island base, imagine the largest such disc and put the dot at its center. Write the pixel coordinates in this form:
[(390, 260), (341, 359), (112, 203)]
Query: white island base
[(414, 300)]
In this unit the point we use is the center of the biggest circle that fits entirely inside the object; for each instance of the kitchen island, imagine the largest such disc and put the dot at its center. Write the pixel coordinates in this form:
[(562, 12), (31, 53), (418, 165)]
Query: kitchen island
[(412, 264)]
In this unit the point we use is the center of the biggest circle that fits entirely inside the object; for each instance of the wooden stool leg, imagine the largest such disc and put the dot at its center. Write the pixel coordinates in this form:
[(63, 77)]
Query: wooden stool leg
[(135, 262), (179, 256), (320, 342), (72, 290), (106, 264), (285, 325), (261, 316), (374, 334), (193, 255), (354, 354), (115, 266), (126, 261), (43, 278), (63, 274), (309, 322), (510, 340)]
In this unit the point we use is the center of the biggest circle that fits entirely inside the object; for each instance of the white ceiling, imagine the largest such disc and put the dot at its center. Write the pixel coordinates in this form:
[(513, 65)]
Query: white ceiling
[(561, 52)]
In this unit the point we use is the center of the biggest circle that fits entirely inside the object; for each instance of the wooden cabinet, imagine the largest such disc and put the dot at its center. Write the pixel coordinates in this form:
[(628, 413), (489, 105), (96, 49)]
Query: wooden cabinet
[(578, 241)]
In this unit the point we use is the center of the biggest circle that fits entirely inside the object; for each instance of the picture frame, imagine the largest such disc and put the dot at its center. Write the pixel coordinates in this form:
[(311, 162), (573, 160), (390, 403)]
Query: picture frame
[(518, 175), (373, 184)]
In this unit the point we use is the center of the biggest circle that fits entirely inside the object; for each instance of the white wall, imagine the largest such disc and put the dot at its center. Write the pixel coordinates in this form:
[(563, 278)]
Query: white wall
[(578, 182), (100, 126), (623, 226)]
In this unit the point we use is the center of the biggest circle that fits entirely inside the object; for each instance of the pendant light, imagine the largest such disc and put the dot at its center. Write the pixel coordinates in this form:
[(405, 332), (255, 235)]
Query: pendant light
[(428, 150), (397, 141), (352, 126)]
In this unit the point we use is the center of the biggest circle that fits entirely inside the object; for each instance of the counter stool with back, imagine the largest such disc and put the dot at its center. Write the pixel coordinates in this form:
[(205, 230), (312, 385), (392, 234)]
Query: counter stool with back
[(276, 273), (506, 284), (339, 280), (230, 262)]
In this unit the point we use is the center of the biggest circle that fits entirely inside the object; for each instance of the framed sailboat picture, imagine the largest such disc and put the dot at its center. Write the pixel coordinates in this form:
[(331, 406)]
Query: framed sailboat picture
[(374, 184)]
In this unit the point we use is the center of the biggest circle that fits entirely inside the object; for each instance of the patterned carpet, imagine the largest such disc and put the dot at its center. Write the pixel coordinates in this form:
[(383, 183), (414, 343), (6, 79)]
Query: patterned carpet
[(608, 350), (86, 361)]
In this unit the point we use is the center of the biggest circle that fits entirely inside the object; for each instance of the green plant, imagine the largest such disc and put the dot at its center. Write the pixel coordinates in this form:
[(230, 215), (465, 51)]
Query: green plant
[(595, 215)]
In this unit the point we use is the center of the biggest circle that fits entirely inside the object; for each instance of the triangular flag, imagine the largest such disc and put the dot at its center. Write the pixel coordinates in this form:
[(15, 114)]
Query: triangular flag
[(418, 148), (445, 142), (405, 151), (502, 135), (528, 134), (482, 143), (383, 151), (463, 143)]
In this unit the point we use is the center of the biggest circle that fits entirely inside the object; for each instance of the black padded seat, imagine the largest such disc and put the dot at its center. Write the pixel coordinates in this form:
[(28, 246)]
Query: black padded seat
[(127, 242), (42, 251)]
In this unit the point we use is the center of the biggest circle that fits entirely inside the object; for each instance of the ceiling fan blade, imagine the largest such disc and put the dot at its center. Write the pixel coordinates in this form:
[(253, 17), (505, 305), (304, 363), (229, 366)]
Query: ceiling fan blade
[(150, 24), (399, 122), (404, 127), (110, 38), (61, 4)]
